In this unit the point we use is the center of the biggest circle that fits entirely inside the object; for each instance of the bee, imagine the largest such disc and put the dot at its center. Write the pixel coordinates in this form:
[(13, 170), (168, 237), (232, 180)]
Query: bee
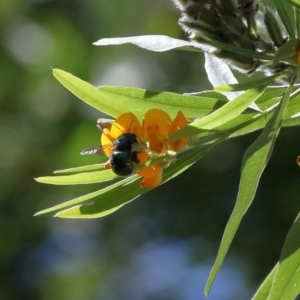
[(124, 153)]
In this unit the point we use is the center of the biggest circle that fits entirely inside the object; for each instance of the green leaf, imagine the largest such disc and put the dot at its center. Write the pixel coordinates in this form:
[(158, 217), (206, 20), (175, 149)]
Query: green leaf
[(246, 123), (284, 16), (85, 91), (219, 117), (87, 197), (249, 84), (293, 109), (288, 52), (208, 94), (96, 167), (139, 101), (263, 291), (243, 124), (286, 283), (114, 101), (157, 43), (80, 178), (235, 49), (295, 3), (253, 164), (118, 196)]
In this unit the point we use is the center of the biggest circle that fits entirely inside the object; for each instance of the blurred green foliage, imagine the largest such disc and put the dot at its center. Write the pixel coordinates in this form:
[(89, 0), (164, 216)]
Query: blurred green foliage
[(43, 128)]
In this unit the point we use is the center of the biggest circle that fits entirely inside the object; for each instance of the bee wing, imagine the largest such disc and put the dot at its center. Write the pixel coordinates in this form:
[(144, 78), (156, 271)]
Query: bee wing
[(139, 147), (95, 150)]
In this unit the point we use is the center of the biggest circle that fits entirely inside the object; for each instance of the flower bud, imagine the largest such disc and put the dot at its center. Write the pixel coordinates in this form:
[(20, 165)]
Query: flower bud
[(273, 28)]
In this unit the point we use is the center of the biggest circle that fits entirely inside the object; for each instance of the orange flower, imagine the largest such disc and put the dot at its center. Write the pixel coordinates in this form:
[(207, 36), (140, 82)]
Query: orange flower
[(178, 123), (156, 128), (152, 176), (125, 123)]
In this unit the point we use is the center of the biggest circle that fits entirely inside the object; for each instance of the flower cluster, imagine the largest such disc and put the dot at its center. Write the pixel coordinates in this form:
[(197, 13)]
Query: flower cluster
[(154, 132), (228, 29)]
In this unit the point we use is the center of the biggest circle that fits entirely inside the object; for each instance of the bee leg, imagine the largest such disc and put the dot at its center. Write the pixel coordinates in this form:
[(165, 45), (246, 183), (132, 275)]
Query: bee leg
[(107, 165), (134, 157)]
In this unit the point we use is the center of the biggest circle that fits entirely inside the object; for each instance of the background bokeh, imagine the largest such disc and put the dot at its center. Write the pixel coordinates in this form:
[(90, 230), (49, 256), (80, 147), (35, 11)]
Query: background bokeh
[(162, 245)]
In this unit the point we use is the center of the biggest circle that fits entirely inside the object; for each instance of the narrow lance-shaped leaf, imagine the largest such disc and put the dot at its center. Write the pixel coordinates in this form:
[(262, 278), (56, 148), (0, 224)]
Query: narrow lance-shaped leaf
[(117, 197), (80, 178), (219, 117), (114, 101), (295, 3), (253, 164), (249, 84), (286, 283), (264, 289), (284, 16), (157, 43), (139, 101), (234, 49), (89, 168), (87, 197)]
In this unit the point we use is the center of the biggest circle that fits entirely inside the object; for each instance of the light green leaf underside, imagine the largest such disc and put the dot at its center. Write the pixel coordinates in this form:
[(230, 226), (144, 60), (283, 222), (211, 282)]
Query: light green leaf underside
[(114, 101), (160, 43), (264, 290), (157, 43), (286, 283), (218, 72), (219, 117), (253, 164), (120, 196), (80, 178)]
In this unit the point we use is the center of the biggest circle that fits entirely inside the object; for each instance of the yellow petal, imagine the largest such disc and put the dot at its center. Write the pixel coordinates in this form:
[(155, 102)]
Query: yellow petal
[(157, 145), (152, 176), (156, 122), (106, 141), (126, 122), (151, 182), (177, 145), (142, 156), (178, 123), (150, 171)]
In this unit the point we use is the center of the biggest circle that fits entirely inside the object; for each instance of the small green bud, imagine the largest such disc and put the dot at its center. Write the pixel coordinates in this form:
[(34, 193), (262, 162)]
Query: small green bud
[(198, 28), (273, 28)]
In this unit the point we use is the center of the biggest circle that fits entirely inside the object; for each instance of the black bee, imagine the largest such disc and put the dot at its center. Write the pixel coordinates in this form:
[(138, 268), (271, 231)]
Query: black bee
[(124, 153)]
